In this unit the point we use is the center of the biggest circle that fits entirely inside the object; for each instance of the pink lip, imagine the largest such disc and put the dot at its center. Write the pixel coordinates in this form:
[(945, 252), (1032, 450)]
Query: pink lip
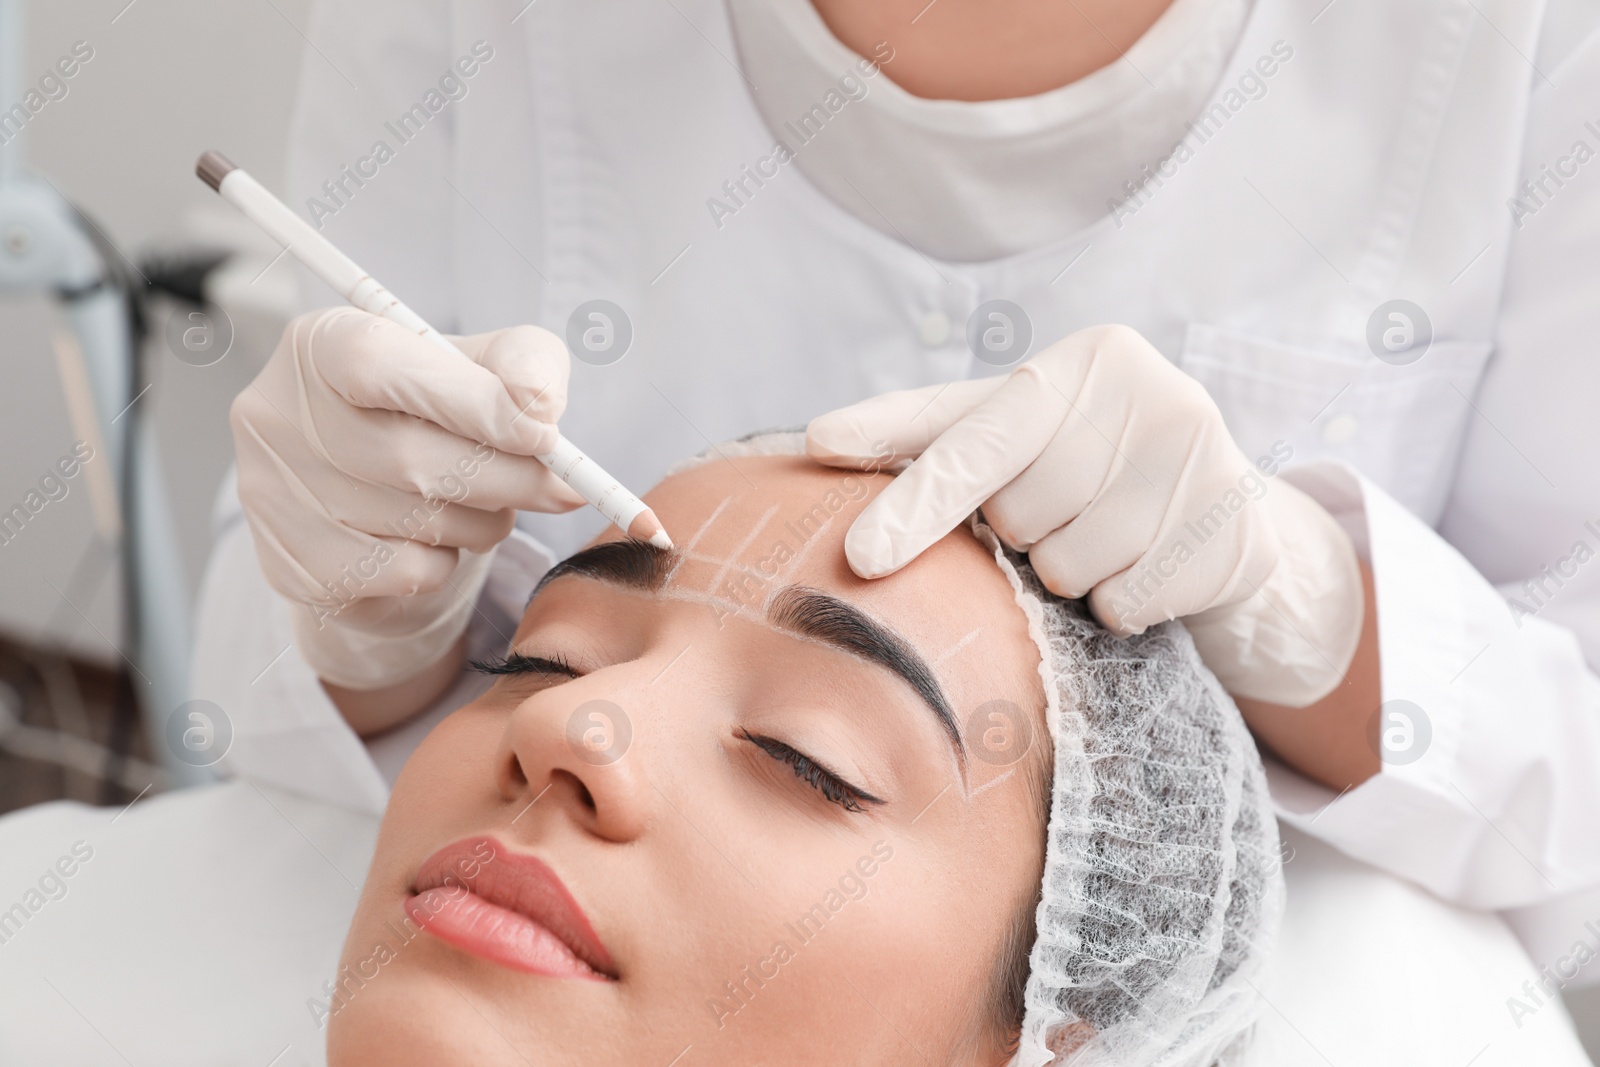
[(508, 908)]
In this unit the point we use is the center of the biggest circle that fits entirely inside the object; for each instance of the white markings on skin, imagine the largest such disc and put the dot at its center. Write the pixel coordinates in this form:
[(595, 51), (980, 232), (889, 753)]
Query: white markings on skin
[(792, 564), (755, 531), (668, 667), (694, 539), (722, 605), (957, 647), (929, 804), (990, 784), (717, 561)]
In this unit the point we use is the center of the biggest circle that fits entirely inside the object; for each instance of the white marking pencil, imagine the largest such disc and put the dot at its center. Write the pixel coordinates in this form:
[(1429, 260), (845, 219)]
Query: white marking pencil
[(323, 259)]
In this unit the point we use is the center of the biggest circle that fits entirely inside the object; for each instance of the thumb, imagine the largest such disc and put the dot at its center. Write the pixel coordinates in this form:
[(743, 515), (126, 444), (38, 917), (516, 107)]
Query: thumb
[(532, 363)]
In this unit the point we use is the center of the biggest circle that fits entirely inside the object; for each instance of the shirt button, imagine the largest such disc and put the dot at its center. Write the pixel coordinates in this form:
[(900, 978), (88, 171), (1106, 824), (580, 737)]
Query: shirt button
[(1340, 429), (934, 329)]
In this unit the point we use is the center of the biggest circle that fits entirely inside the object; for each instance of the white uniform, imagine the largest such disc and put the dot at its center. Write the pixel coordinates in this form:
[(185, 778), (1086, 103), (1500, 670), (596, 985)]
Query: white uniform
[(1438, 152)]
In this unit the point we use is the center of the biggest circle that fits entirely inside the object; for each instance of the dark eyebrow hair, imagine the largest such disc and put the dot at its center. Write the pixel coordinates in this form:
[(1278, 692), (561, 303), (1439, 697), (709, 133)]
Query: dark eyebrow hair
[(817, 615), (628, 562), (798, 609)]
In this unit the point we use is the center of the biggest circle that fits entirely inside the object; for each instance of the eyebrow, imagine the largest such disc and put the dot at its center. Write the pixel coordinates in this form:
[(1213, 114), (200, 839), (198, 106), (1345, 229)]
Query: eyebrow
[(799, 610), (628, 562)]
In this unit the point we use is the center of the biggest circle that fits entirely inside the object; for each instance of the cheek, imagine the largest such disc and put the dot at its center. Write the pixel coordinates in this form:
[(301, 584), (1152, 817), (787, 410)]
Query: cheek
[(989, 858), (443, 789), (754, 967), (454, 753), (777, 976), (919, 947)]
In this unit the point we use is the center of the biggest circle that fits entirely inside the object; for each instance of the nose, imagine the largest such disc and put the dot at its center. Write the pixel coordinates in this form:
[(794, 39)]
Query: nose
[(573, 748)]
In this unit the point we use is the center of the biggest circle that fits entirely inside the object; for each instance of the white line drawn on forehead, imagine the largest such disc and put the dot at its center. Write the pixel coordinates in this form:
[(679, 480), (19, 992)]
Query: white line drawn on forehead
[(773, 583), (694, 538), (720, 606), (777, 580), (957, 647), (755, 531), (715, 561), (687, 554)]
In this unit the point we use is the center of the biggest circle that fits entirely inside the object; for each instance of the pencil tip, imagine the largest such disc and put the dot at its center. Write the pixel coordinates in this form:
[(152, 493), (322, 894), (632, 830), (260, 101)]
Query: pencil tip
[(646, 527), (212, 168)]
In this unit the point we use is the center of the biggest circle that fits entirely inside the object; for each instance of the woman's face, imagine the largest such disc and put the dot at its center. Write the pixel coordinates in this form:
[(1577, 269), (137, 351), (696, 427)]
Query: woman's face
[(734, 805)]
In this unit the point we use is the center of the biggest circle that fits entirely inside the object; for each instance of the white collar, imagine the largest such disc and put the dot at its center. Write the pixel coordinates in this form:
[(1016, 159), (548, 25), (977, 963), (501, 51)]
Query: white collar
[(971, 181)]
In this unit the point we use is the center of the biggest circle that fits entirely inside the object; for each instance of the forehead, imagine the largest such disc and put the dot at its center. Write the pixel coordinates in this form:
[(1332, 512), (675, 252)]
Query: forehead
[(749, 527)]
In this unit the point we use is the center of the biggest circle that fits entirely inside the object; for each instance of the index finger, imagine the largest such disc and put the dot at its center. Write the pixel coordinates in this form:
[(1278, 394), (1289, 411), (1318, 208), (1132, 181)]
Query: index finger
[(894, 425), (374, 363), (965, 465)]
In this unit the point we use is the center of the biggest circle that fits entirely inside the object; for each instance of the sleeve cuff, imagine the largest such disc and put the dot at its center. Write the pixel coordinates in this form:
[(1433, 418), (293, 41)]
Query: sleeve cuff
[(1488, 797)]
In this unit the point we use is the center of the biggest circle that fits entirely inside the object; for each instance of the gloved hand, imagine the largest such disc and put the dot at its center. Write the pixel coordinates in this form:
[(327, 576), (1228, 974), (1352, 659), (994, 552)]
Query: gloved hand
[(1113, 470), (379, 471)]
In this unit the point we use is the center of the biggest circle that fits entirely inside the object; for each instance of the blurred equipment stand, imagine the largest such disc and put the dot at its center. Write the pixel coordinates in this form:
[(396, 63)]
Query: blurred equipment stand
[(49, 247)]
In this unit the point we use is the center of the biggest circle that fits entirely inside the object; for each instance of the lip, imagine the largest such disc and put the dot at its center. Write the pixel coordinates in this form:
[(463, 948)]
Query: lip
[(508, 908)]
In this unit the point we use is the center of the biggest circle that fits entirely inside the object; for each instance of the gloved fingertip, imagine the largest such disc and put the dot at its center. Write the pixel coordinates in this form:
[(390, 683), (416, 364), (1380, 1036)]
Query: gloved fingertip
[(1104, 606), (1121, 627), (870, 551), (569, 495), (542, 403), (1066, 592), (562, 499), (535, 437), (549, 495), (835, 439)]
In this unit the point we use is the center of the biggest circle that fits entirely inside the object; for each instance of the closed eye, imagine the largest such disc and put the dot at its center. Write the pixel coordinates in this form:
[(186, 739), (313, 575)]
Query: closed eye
[(829, 784), (517, 663), (833, 788)]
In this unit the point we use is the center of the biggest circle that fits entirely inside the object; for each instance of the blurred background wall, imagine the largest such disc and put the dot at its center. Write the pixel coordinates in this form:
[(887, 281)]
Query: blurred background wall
[(169, 79)]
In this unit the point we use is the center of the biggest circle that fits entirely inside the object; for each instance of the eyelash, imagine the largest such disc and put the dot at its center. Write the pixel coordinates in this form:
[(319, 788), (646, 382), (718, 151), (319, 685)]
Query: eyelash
[(830, 785), (833, 788), (517, 663)]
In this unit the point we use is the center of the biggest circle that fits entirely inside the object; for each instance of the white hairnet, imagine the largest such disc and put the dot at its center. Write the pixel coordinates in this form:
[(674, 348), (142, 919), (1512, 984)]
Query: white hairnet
[(1162, 885)]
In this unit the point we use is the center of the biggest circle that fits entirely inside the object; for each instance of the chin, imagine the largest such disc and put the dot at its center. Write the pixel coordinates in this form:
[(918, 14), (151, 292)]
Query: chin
[(415, 1014), (418, 1030)]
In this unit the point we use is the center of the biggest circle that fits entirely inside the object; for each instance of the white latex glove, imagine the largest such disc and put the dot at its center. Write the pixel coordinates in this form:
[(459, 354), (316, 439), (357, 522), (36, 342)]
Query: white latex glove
[(1113, 470), (379, 471)]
